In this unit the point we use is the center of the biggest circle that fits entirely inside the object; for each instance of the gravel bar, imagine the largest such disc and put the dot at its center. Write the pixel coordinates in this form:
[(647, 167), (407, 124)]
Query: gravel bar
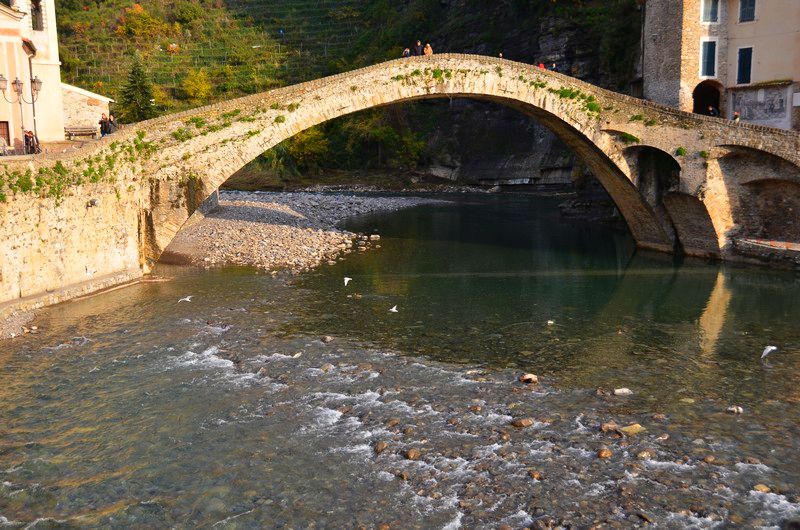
[(292, 231)]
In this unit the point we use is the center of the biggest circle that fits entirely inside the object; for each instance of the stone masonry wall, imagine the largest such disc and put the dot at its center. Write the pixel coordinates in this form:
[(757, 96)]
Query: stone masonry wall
[(662, 44), (81, 110), (81, 243)]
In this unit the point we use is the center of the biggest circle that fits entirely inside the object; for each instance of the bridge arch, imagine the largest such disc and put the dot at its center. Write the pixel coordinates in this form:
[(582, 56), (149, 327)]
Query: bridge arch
[(124, 197), (571, 112)]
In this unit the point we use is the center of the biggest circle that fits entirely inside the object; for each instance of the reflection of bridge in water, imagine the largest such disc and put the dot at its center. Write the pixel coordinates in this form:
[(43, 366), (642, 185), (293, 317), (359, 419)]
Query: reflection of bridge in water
[(683, 183)]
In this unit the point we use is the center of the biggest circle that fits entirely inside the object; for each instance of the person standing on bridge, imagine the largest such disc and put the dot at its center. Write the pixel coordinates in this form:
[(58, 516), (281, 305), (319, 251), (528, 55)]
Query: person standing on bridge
[(418, 49), (406, 53), (428, 49), (713, 112), (103, 125)]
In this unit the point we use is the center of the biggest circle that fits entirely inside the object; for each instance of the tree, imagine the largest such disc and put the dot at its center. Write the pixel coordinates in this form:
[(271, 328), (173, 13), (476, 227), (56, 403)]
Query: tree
[(196, 86), (136, 101)]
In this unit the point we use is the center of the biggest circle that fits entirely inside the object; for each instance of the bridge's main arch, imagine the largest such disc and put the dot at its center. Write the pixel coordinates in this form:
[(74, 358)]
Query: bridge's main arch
[(258, 123), (102, 214)]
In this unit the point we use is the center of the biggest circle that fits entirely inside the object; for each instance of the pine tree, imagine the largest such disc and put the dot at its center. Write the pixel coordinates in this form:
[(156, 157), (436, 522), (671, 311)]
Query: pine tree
[(136, 98)]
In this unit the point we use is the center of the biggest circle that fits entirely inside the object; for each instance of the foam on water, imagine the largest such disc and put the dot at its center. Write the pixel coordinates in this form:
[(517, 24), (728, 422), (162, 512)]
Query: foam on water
[(207, 358), (325, 417), (455, 523)]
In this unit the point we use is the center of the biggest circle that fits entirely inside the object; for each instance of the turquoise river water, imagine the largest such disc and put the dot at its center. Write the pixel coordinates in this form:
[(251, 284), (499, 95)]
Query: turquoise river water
[(132, 410)]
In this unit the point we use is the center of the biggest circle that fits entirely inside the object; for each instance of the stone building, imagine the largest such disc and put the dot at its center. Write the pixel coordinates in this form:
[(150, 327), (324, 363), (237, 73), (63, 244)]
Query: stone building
[(28, 51), (735, 55)]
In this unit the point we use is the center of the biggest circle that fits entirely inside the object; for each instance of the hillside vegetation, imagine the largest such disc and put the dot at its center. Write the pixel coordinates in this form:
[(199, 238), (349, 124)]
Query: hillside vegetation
[(200, 51)]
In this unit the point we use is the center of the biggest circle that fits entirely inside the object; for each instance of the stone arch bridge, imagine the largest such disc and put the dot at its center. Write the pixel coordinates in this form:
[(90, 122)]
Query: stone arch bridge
[(103, 214)]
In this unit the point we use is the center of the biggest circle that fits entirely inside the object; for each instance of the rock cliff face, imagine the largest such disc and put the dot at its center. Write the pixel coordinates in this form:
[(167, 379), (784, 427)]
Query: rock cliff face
[(478, 142)]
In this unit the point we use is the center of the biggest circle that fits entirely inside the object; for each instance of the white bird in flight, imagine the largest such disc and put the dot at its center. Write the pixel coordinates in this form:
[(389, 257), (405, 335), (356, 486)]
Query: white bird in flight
[(393, 310), (187, 299), (768, 350), (347, 280)]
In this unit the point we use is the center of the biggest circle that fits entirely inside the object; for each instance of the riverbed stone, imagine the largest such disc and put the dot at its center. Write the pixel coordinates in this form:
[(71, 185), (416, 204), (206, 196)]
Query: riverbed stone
[(380, 447), (413, 454), (522, 423), (604, 452), (632, 429)]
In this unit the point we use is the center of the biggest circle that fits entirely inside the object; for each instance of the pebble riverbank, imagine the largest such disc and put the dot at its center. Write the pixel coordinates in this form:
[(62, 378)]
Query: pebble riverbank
[(292, 231)]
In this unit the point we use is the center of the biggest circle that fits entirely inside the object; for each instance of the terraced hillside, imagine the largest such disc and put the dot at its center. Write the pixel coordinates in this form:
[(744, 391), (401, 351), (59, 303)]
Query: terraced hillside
[(199, 51)]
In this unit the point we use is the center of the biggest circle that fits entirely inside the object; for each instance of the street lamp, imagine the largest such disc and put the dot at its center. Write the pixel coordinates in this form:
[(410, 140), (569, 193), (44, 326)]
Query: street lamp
[(17, 86)]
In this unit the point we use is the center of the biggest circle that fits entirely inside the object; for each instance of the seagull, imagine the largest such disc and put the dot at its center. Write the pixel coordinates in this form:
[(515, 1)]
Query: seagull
[(347, 280), (187, 299), (768, 350), (393, 310)]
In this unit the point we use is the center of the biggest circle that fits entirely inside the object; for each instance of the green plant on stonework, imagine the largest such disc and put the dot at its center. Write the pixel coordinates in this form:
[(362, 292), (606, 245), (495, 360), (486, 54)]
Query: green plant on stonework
[(703, 154), (681, 151), (197, 121), (182, 134), (629, 138), (136, 100), (280, 119)]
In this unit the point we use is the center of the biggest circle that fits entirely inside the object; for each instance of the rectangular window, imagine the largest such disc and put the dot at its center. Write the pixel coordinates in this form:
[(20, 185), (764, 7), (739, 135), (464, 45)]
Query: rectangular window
[(747, 10), (709, 59), (37, 15), (711, 11), (745, 66), (5, 133)]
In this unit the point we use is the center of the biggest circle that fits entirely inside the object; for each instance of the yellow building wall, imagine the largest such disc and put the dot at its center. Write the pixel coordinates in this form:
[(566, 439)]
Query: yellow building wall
[(14, 63)]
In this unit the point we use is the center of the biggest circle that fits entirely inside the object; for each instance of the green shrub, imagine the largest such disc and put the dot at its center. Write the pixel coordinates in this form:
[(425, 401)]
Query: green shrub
[(629, 138), (182, 134), (681, 151)]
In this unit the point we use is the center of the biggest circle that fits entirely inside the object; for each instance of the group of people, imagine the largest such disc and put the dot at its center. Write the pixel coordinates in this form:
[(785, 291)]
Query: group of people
[(418, 50), (30, 145), (714, 113), (108, 125)]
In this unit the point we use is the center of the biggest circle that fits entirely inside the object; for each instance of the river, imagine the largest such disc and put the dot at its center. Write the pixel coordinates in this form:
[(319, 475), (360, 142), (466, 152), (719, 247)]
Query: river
[(261, 402)]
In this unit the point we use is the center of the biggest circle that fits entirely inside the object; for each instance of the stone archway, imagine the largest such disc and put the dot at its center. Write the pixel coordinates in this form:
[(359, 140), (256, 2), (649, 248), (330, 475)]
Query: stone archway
[(105, 211), (707, 93)]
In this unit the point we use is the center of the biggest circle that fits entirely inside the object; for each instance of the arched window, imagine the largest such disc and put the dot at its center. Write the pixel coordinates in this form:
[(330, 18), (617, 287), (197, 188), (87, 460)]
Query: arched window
[(37, 15)]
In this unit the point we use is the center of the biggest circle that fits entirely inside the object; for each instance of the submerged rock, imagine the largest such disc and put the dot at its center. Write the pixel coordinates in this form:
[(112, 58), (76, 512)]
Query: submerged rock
[(632, 429), (623, 392), (413, 454), (605, 452), (535, 475), (381, 447), (522, 423), (529, 379)]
